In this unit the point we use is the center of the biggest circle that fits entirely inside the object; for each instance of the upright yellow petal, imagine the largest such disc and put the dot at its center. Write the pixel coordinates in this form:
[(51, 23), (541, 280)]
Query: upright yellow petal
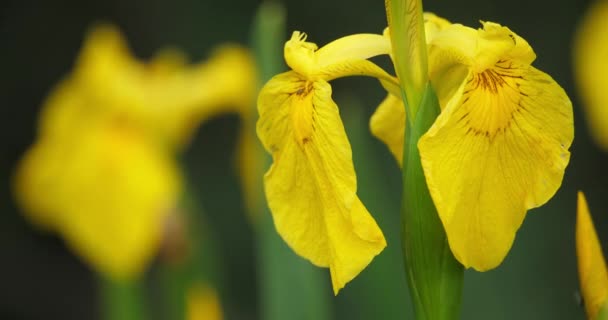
[(203, 304), (591, 69), (591, 264), (311, 186), (500, 145)]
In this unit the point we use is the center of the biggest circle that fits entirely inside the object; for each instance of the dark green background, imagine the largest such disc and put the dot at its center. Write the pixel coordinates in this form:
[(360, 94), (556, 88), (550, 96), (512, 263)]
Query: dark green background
[(41, 279)]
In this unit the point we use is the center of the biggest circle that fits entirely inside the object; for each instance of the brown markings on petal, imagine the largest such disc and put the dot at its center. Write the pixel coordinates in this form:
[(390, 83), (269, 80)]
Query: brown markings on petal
[(488, 106), (305, 117)]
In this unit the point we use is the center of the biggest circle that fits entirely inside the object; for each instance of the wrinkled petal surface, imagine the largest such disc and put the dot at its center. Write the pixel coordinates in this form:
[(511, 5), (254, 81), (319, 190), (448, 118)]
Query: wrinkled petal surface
[(500, 145), (311, 186)]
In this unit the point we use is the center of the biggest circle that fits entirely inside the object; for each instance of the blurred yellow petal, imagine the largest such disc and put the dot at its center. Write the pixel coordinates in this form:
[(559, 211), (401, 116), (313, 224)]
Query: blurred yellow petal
[(203, 304), (311, 186), (500, 145), (35, 184), (388, 124), (591, 264), (102, 171), (167, 95), (591, 69), (121, 189)]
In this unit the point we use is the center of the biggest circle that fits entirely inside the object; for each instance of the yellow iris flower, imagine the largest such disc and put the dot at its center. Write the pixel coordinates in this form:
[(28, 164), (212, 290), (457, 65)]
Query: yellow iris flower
[(591, 264), (102, 171), (591, 69), (311, 186), (499, 146)]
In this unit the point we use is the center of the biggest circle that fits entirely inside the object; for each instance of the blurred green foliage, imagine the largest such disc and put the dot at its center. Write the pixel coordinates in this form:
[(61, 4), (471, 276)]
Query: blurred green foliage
[(40, 278)]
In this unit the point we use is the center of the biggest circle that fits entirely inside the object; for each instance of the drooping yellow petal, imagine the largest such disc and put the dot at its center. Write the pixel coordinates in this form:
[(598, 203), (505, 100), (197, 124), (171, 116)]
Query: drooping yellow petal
[(203, 304), (500, 145), (388, 124), (311, 186), (591, 264), (591, 69)]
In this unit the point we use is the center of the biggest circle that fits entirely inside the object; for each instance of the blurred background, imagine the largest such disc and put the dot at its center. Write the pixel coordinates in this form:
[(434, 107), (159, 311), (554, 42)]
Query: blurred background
[(41, 279)]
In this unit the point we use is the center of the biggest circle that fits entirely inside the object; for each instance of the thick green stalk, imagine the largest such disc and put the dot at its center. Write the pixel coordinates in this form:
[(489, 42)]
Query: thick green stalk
[(406, 26), (122, 299), (435, 278), (290, 287)]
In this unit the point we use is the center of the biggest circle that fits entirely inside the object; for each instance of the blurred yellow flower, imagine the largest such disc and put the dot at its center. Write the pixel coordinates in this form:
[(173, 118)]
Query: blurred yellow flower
[(102, 171), (500, 145), (311, 186), (591, 69), (203, 303), (591, 264)]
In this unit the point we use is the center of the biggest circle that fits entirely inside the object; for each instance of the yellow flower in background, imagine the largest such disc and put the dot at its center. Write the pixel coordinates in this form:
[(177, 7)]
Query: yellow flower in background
[(103, 171), (311, 186), (591, 69), (591, 264), (202, 303), (499, 146)]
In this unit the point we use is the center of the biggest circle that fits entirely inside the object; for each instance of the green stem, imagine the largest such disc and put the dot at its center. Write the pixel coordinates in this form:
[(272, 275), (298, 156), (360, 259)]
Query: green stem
[(435, 277), (122, 299)]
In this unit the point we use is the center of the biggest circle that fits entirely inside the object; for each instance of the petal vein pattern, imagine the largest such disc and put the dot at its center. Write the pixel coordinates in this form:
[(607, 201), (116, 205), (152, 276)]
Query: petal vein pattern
[(311, 186), (500, 145)]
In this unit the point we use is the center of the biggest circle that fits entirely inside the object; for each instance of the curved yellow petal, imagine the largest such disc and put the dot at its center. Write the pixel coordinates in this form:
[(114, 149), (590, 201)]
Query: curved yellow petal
[(343, 57), (591, 69), (311, 186), (591, 264), (388, 124), (499, 148)]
